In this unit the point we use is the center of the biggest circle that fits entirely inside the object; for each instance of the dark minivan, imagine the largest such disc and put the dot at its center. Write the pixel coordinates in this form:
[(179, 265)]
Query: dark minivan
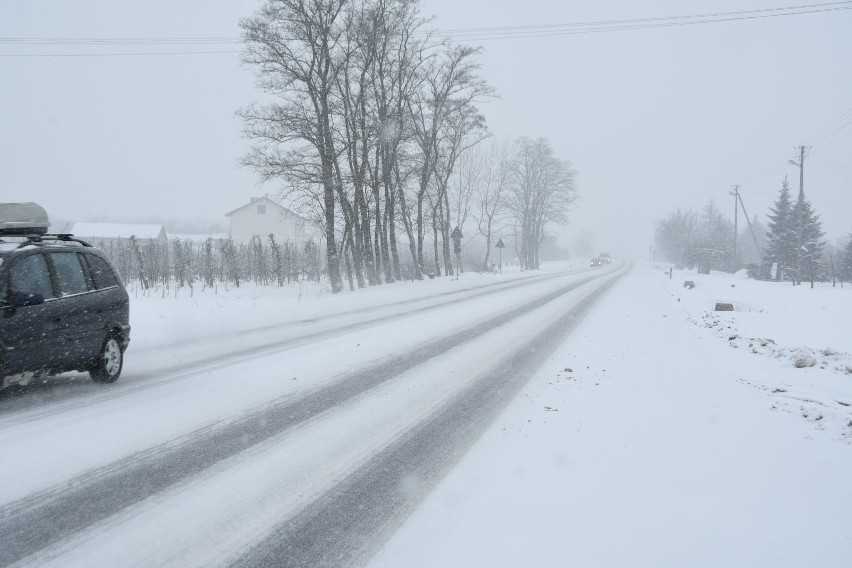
[(62, 305)]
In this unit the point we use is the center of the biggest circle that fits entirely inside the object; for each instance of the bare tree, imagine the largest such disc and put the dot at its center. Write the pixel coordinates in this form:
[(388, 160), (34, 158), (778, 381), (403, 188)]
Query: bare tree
[(354, 85), (293, 45), (497, 167), (400, 45), (463, 129), (468, 179), (451, 88), (676, 237), (541, 194), (361, 101)]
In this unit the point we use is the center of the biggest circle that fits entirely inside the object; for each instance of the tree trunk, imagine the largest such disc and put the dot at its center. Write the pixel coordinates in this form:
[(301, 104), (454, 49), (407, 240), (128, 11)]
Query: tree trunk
[(390, 223), (421, 232), (347, 248), (487, 245), (412, 243), (363, 248), (435, 245), (327, 157), (444, 212)]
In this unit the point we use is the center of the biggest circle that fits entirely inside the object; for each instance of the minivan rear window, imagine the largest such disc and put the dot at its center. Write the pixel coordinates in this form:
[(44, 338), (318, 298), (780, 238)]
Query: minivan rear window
[(69, 272), (102, 274)]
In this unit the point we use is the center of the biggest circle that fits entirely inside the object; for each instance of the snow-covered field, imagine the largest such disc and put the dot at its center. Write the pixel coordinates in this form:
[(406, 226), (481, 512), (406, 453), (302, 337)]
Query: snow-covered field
[(162, 316), (664, 433), (801, 339)]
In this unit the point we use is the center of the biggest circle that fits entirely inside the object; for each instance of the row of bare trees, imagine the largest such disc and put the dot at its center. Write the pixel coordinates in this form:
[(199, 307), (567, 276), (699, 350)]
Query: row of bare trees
[(366, 125), (513, 191), (184, 262), (689, 238)]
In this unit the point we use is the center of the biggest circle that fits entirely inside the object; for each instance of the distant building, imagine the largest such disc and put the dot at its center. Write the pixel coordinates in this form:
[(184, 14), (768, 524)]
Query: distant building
[(113, 232), (263, 217)]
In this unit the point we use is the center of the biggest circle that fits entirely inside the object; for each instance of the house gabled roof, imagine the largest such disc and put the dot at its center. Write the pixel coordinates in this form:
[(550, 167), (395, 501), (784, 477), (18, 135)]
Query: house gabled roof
[(267, 200), (116, 230)]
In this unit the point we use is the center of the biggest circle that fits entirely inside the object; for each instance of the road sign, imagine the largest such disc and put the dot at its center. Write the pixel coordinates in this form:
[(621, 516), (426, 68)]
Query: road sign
[(500, 246), (457, 237)]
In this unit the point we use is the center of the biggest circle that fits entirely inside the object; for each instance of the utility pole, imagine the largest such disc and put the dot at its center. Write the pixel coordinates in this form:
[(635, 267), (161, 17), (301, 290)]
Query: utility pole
[(801, 165), (751, 230), (736, 194), (799, 228)]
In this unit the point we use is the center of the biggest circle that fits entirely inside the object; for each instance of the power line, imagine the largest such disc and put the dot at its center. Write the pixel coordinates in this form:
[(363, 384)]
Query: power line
[(822, 132), (701, 18), (830, 161), (647, 20), (117, 54), (460, 34), (118, 41), (516, 32), (822, 138), (809, 199), (765, 172), (834, 135)]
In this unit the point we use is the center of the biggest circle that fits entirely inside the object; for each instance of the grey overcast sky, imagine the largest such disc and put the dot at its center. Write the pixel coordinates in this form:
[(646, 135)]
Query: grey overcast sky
[(652, 119)]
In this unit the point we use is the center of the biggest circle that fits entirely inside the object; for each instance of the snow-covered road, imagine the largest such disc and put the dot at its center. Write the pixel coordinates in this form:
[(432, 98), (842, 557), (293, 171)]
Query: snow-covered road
[(661, 434), (298, 441)]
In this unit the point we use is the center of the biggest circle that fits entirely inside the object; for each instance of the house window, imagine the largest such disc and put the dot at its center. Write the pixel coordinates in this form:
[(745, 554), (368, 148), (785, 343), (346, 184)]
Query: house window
[(261, 209)]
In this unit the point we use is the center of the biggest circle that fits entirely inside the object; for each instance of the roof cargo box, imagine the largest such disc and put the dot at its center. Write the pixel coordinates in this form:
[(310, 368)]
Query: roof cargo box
[(23, 219)]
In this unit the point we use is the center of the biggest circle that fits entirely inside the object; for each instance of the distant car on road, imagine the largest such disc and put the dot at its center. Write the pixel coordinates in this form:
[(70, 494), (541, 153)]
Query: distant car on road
[(605, 257), (62, 305), (595, 262)]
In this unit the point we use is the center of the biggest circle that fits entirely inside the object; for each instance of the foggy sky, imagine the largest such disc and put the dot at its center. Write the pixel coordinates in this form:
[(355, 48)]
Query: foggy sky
[(651, 119)]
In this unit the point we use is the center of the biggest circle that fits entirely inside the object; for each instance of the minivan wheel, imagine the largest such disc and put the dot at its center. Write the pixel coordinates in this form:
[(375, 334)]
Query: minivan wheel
[(108, 367)]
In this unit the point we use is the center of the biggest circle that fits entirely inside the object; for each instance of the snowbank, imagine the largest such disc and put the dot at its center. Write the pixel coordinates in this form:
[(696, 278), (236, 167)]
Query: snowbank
[(801, 336)]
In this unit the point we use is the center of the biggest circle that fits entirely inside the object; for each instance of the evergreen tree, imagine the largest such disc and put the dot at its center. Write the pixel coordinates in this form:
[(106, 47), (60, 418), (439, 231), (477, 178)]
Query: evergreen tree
[(808, 238), (846, 261), (781, 238)]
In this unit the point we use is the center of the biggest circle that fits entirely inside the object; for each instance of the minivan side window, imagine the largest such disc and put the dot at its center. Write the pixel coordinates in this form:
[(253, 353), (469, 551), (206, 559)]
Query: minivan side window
[(69, 272), (4, 288), (101, 272), (30, 275)]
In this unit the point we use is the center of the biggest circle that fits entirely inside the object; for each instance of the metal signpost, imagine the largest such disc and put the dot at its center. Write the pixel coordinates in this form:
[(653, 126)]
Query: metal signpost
[(457, 237), (500, 246)]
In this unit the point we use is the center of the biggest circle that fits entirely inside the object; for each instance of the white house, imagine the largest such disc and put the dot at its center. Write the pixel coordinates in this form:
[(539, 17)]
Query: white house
[(263, 217)]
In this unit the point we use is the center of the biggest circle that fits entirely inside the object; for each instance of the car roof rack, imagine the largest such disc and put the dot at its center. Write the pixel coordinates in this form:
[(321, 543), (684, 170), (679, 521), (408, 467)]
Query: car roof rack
[(61, 237)]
